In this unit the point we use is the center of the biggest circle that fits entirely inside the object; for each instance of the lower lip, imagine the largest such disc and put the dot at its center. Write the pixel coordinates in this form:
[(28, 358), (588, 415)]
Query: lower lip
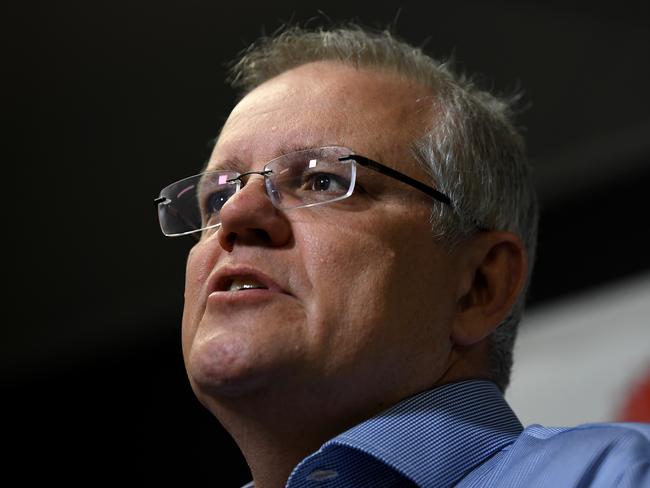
[(241, 297)]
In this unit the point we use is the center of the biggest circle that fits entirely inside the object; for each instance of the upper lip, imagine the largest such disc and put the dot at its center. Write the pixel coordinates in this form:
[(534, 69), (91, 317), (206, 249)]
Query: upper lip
[(224, 276)]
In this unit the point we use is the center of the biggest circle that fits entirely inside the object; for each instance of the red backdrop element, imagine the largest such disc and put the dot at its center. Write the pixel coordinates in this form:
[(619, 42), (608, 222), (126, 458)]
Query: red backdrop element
[(636, 406)]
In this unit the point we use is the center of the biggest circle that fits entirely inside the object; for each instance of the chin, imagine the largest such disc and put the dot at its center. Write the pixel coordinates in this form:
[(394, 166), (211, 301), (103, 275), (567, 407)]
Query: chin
[(221, 368)]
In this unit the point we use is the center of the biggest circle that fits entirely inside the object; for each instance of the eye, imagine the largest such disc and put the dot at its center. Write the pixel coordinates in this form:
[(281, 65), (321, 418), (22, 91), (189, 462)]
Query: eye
[(216, 201), (213, 202), (325, 182)]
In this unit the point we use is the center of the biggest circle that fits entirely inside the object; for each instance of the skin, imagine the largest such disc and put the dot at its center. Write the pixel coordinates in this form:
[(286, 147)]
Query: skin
[(372, 309)]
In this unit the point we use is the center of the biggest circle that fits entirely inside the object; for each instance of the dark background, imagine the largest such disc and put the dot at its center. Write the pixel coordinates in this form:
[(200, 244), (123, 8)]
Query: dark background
[(106, 102)]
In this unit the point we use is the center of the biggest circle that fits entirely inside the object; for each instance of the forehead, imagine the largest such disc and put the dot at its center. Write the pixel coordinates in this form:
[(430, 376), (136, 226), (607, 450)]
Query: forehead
[(374, 113)]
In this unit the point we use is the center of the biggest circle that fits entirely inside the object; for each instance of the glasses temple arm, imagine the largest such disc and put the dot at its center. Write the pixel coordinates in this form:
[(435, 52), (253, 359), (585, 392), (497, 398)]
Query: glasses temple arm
[(380, 168)]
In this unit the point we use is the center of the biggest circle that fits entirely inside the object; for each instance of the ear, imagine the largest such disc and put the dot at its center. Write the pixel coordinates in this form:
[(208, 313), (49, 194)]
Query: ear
[(495, 265)]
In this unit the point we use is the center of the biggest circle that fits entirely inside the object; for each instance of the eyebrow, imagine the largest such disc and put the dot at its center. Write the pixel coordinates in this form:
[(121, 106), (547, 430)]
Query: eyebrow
[(236, 164), (314, 144), (230, 164), (290, 147)]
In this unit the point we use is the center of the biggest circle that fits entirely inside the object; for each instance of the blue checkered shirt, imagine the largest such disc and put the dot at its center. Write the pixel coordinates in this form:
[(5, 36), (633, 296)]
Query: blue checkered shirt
[(465, 435)]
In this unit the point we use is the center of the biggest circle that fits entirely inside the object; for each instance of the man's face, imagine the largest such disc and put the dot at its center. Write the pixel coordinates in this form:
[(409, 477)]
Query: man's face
[(359, 296)]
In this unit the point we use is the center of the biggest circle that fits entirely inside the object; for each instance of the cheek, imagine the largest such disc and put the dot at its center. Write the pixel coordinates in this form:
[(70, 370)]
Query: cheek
[(349, 270), (340, 258), (200, 263), (370, 287)]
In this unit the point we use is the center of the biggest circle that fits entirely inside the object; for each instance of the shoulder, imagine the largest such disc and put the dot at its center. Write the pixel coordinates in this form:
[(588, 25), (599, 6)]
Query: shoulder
[(596, 444), (593, 455), (636, 434)]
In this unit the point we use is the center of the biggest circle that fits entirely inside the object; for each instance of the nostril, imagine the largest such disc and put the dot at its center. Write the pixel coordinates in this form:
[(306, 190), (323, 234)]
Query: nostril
[(262, 236), (255, 235), (228, 241)]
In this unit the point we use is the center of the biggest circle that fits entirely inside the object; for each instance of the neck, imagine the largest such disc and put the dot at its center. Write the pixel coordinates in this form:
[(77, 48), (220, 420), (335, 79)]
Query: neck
[(276, 438), (276, 428)]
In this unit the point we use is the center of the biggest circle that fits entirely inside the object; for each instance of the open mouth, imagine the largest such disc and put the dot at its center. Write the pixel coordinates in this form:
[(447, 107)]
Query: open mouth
[(245, 283), (232, 279)]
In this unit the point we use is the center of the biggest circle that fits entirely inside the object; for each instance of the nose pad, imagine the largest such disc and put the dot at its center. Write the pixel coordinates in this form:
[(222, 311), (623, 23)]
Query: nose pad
[(252, 191), (274, 195)]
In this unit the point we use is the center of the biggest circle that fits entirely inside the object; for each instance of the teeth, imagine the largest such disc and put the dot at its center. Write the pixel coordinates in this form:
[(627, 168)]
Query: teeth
[(245, 284)]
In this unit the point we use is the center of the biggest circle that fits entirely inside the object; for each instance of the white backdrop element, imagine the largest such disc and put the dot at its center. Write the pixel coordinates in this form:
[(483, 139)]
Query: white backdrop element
[(576, 359)]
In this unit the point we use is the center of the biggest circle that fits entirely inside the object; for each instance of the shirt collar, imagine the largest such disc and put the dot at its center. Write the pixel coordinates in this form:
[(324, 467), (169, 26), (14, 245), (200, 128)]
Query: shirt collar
[(441, 434)]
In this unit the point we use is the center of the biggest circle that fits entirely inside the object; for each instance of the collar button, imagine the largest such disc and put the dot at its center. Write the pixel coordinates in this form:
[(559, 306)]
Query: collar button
[(322, 475)]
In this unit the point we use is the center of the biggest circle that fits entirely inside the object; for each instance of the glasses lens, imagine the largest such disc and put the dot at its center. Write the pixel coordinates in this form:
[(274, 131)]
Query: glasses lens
[(310, 177), (194, 203)]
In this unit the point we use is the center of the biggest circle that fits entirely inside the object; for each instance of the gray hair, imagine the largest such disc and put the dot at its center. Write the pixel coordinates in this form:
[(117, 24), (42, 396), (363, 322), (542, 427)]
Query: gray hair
[(472, 149)]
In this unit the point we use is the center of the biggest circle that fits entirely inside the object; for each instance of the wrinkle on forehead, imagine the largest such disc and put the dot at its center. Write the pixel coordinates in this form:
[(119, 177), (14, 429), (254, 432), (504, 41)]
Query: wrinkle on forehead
[(327, 102)]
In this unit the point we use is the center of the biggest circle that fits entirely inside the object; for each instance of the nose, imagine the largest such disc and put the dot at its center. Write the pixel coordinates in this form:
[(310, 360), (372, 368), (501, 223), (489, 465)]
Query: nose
[(249, 218)]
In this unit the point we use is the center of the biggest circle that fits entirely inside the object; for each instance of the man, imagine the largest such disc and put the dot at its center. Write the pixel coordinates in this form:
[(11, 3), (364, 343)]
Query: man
[(366, 229)]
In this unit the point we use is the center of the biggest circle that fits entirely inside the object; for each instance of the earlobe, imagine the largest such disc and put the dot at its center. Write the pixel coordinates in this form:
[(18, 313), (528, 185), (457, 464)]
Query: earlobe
[(496, 267)]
